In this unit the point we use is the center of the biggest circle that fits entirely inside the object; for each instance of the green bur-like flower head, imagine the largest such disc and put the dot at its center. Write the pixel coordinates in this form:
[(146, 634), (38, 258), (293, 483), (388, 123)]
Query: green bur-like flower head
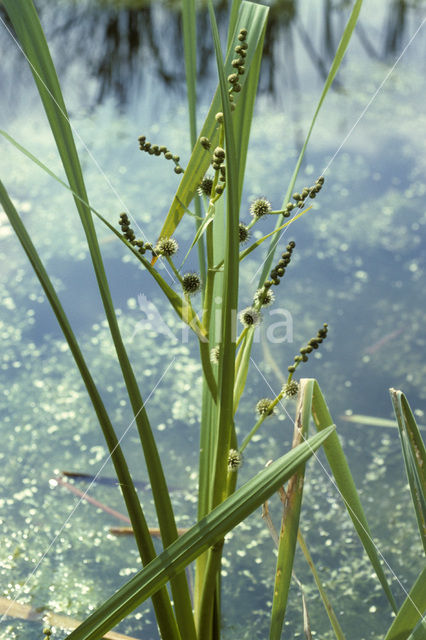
[(191, 283), (166, 247)]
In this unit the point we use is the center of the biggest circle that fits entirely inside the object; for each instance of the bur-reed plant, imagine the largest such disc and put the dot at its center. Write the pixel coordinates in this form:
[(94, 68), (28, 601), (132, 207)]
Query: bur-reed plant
[(216, 170)]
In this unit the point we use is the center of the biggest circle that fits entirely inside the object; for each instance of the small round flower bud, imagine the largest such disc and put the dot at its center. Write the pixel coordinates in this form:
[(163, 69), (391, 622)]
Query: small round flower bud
[(219, 153), (142, 139), (235, 460), (263, 407), (216, 166), (233, 78), (243, 233), (178, 170), (205, 187), (305, 193), (168, 155), (205, 142), (291, 368), (250, 317), (220, 188), (320, 180), (237, 87), (301, 204), (215, 354), (176, 158), (166, 247), (244, 45), (219, 117), (163, 149), (291, 389), (291, 244), (191, 283), (264, 297), (260, 207), (296, 196)]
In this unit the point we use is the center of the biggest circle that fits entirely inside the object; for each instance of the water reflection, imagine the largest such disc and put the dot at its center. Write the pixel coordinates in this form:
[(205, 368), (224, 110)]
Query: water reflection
[(122, 47)]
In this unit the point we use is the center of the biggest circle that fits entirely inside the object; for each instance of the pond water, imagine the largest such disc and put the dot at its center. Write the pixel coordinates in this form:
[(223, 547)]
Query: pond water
[(359, 265)]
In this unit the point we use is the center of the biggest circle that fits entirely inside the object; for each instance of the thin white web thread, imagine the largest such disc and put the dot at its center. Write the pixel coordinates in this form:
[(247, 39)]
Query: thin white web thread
[(332, 481), (90, 154), (364, 111), (52, 542)]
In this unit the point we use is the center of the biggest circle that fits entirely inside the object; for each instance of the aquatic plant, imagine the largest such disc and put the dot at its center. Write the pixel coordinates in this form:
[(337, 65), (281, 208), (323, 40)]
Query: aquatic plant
[(221, 147)]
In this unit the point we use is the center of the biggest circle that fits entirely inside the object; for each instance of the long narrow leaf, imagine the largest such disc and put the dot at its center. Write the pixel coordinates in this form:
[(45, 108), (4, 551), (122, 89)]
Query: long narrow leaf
[(345, 483), (141, 531), (291, 516), (411, 612), (252, 17), (321, 590), (414, 454), (26, 23), (341, 50), (200, 537)]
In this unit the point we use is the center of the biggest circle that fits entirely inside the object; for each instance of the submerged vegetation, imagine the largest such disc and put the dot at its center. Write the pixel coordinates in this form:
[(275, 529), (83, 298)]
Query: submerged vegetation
[(206, 301)]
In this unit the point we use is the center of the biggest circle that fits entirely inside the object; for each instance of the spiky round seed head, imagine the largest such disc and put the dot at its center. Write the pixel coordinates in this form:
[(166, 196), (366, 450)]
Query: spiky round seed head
[(166, 247), (264, 297), (205, 187), (191, 283), (235, 460), (263, 407), (243, 233), (290, 389), (215, 354), (260, 207), (205, 142), (250, 317)]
